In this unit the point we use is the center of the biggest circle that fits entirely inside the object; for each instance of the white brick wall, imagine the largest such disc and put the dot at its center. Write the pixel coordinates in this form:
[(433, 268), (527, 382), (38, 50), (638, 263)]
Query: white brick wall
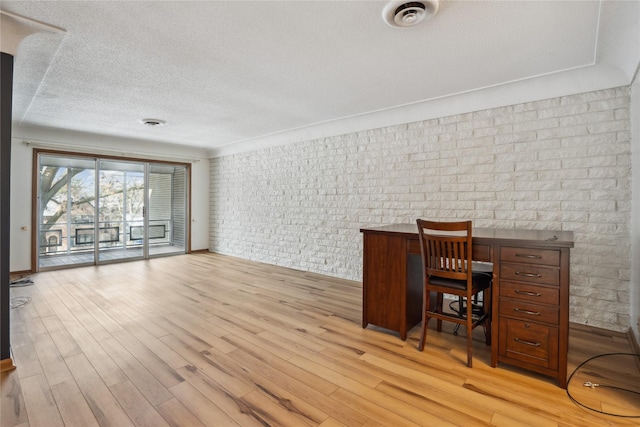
[(562, 164)]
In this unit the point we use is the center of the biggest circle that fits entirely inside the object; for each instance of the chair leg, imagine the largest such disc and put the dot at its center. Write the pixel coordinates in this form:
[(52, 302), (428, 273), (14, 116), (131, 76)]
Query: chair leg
[(469, 320), (486, 304), (440, 301), (426, 301)]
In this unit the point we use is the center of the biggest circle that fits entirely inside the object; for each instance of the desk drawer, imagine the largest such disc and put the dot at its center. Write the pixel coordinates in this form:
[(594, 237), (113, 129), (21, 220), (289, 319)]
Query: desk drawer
[(529, 342), (529, 273), (413, 246), (528, 311), (530, 292), (530, 255), (482, 252)]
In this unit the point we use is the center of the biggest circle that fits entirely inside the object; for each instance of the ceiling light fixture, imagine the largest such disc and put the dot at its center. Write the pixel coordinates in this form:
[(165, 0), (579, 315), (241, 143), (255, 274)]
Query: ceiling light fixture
[(403, 14), (153, 123)]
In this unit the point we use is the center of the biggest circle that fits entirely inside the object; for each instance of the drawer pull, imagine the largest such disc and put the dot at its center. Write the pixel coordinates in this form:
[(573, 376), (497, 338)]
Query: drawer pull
[(529, 256), (532, 344), (531, 294), (532, 313), (520, 273)]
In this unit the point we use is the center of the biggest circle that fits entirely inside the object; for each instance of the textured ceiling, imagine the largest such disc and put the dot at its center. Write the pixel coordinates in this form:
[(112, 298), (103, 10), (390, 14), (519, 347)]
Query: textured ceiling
[(220, 73)]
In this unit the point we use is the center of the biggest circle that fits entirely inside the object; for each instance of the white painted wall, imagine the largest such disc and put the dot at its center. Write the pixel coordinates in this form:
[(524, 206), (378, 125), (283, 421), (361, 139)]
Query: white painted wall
[(562, 163), (200, 182), (20, 249), (21, 177), (635, 217)]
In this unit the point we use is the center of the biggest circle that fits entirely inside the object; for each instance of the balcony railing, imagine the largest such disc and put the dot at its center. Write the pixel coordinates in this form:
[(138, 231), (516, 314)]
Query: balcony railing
[(112, 234)]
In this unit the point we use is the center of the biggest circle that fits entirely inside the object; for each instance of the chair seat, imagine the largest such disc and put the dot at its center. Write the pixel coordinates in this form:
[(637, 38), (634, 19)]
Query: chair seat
[(481, 281)]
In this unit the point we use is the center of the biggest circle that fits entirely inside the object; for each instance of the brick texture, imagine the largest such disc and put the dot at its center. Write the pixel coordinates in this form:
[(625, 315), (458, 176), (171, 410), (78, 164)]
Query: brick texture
[(558, 164)]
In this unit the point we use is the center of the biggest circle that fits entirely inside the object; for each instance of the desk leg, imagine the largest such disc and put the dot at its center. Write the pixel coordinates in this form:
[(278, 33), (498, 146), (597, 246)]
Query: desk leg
[(495, 298), (384, 282), (415, 289)]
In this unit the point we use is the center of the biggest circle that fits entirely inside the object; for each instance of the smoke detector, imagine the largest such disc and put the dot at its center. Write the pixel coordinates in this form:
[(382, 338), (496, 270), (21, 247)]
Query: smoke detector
[(153, 123), (403, 14)]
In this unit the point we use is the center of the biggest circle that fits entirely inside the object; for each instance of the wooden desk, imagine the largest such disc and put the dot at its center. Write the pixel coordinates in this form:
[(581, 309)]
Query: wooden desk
[(530, 298)]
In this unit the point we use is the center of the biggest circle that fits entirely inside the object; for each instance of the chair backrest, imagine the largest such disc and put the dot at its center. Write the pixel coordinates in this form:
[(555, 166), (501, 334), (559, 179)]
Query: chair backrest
[(446, 248)]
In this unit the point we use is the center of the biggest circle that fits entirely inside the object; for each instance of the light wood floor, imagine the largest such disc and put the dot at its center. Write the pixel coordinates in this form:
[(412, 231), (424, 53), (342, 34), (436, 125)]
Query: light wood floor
[(212, 340)]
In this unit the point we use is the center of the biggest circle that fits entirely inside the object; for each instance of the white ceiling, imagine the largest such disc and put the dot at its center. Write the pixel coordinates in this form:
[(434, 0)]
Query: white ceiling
[(244, 73)]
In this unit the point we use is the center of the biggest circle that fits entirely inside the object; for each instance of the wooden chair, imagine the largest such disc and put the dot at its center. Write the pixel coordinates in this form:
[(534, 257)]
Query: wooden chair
[(447, 269)]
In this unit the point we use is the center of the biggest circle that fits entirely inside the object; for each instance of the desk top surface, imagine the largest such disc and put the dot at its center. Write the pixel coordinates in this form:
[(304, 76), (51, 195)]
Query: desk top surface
[(490, 235)]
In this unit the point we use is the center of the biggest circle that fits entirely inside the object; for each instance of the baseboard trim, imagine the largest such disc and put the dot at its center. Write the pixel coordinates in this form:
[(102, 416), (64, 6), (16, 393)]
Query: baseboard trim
[(7, 365), (21, 273), (597, 331), (633, 341)]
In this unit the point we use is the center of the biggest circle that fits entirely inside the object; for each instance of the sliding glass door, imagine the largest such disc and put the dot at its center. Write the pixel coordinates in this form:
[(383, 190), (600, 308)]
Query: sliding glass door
[(167, 192), (66, 209), (95, 211), (121, 210)]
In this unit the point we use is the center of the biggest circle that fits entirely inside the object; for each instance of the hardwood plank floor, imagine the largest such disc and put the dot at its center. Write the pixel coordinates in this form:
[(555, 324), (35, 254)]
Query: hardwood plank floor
[(212, 340)]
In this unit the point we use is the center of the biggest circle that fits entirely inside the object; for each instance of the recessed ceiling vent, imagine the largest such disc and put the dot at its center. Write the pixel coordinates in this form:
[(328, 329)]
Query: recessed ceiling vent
[(403, 14), (153, 123)]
